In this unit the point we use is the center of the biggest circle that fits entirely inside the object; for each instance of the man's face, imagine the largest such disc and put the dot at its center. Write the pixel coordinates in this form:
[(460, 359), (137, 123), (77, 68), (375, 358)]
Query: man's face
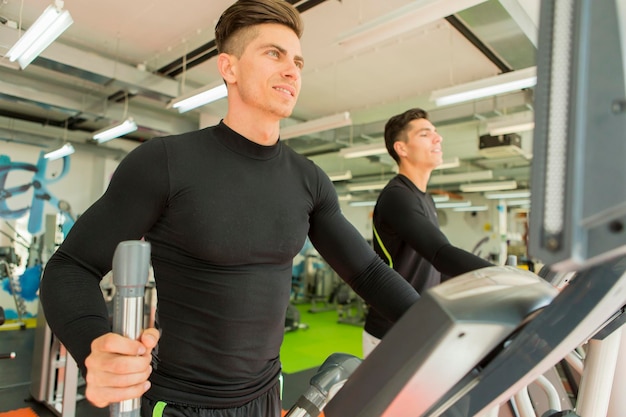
[(423, 144), (268, 73)]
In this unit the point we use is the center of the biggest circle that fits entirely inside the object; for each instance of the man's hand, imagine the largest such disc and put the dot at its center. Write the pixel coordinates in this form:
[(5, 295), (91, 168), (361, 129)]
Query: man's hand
[(118, 367)]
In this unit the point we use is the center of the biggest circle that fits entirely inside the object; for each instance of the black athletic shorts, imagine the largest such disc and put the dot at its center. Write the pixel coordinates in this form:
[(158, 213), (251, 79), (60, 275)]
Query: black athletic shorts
[(267, 405)]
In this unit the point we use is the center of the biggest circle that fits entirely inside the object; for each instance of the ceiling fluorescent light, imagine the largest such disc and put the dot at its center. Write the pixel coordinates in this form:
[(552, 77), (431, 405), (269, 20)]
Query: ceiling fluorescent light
[(115, 131), (470, 208), (318, 125), (440, 198), (521, 203), (514, 123), (199, 97), (511, 128), (362, 203), (488, 186), (372, 186), (340, 176), (345, 197), (449, 163), (453, 204), (64, 150), (508, 194), (49, 26), (401, 20), (461, 177), (503, 83), (363, 150)]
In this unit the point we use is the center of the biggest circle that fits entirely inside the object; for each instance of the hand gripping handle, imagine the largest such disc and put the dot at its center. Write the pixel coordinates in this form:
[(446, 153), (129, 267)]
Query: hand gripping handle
[(131, 265)]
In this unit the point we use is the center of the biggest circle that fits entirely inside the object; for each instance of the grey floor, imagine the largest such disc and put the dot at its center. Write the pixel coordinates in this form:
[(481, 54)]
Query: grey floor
[(16, 376)]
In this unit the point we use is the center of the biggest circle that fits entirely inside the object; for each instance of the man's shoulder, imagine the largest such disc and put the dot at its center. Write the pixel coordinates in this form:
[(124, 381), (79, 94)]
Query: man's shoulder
[(297, 158), (190, 135), (396, 186), (400, 192), (183, 140)]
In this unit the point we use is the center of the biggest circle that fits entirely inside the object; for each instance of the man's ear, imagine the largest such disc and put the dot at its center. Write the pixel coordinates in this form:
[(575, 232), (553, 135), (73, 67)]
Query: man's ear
[(227, 66), (400, 148)]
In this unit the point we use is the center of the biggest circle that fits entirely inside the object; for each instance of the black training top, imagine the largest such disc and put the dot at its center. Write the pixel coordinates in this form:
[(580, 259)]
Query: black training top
[(407, 237), (225, 218)]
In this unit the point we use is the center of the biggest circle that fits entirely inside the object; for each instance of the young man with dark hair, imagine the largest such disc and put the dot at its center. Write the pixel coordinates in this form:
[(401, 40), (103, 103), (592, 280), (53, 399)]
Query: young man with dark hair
[(225, 209), (406, 230)]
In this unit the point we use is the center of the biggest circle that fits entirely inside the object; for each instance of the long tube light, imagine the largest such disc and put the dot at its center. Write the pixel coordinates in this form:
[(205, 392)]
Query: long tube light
[(318, 125), (368, 203), (488, 186), (511, 128), (453, 204), (440, 198), (513, 123), (370, 186), (49, 26), (115, 131), (363, 150), (470, 208), (401, 20), (503, 83), (518, 203), (462, 177), (199, 97), (508, 194), (65, 150), (340, 176), (449, 163)]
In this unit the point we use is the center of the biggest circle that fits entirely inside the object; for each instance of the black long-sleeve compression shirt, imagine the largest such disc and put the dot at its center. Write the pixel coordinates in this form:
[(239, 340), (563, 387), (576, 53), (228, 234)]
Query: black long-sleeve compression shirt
[(407, 237), (225, 218)]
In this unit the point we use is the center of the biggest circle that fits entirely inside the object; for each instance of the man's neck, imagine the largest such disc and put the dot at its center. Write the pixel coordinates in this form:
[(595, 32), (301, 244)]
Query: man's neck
[(419, 177), (258, 129)]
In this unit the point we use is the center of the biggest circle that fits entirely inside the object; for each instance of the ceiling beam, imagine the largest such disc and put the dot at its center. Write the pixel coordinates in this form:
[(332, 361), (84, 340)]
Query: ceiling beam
[(526, 15), (102, 70)]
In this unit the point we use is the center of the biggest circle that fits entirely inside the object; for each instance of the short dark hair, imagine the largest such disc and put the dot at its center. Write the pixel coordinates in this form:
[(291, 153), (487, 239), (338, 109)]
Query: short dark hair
[(230, 36), (396, 127)]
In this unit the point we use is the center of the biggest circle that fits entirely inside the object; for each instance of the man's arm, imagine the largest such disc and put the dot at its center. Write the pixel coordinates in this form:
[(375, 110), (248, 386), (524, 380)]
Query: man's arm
[(70, 292), (349, 254), (402, 213)]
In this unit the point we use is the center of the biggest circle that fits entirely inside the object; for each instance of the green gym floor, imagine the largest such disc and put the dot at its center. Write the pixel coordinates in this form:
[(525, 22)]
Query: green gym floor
[(308, 348), (303, 351)]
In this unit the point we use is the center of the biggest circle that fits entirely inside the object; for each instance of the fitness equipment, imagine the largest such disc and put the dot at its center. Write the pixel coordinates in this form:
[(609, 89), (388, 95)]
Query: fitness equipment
[(292, 319), (441, 341), (484, 309), (319, 280), (131, 266), (8, 261), (351, 309), (5, 355), (41, 194), (313, 281), (329, 378)]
